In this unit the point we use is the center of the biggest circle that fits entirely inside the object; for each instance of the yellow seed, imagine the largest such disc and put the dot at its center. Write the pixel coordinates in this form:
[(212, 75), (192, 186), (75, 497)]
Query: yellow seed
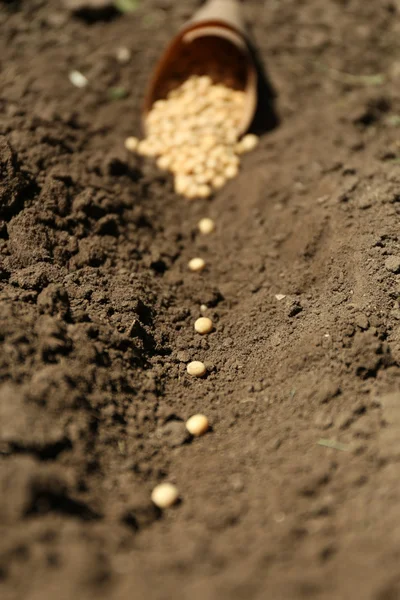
[(218, 181), (164, 162), (197, 425), (159, 104), (230, 136), (206, 226), (197, 264), (203, 325), (192, 192), (204, 82), (131, 144), (231, 171), (165, 495), (196, 369), (145, 148), (208, 142), (182, 183), (205, 177), (204, 191), (249, 142)]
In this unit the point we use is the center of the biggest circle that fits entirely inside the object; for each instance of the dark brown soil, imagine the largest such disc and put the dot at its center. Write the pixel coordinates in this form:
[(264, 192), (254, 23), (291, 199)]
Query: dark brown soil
[(97, 311)]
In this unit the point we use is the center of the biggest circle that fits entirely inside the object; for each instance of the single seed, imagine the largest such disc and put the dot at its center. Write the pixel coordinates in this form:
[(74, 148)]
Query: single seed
[(164, 162), (249, 142), (196, 368), (131, 144), (203, 325), (197, 425), (203, 308), (197, 264), (192, 190), (182, 182), (165, 495), (218, 181), (231, 171), (159, 104), (204, 191), (206, 226)]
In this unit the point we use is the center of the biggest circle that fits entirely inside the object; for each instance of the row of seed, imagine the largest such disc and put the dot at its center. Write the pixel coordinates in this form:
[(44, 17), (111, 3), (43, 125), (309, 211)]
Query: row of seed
[(194, 134), (166, 494)]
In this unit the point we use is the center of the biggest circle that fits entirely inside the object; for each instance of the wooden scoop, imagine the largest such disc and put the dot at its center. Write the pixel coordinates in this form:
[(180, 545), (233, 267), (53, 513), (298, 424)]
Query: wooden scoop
[(214, 43)]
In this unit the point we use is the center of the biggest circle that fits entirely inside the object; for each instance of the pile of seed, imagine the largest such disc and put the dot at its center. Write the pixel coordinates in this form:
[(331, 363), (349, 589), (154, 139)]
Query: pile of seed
[(194, 134)]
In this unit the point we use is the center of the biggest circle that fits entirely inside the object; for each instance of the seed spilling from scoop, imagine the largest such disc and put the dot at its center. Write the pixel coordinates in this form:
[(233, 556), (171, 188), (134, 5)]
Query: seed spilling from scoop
[(194, 134)]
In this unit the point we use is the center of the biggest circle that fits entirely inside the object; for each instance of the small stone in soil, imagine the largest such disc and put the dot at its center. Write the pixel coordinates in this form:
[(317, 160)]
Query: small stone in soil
[(123, 55), (196, 264), (280, 296), (196, 368), (197, 425), (77, 79), (392, 264), (203, 325), (165, 495)]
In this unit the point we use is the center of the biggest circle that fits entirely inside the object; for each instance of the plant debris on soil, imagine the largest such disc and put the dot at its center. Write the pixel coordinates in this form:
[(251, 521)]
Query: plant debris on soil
[(97, 313)]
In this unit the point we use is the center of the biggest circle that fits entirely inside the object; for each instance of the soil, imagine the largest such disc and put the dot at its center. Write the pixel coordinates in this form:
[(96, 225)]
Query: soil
[(294, 493)]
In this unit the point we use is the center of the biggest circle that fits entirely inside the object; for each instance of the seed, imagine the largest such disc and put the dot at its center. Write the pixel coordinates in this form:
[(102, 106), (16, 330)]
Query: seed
[(131, 144), (182, 183), (204, 177), (164, 162), (249, 142), (196, 369), (165, 495), (159, 105), (204, 191), (218, 181), (191, 193), (206, 226), (197, 264), (203, 325), (231, 171), (197, 425)]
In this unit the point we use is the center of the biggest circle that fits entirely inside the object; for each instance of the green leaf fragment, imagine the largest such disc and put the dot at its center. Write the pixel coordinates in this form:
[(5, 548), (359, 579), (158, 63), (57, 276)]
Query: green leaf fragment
[(117, 93), (393, 120), (333, 444), (340, 76), (126, 6)]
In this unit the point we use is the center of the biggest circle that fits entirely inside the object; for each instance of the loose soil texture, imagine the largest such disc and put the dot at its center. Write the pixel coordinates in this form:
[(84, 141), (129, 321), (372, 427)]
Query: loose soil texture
[(294, 492)]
